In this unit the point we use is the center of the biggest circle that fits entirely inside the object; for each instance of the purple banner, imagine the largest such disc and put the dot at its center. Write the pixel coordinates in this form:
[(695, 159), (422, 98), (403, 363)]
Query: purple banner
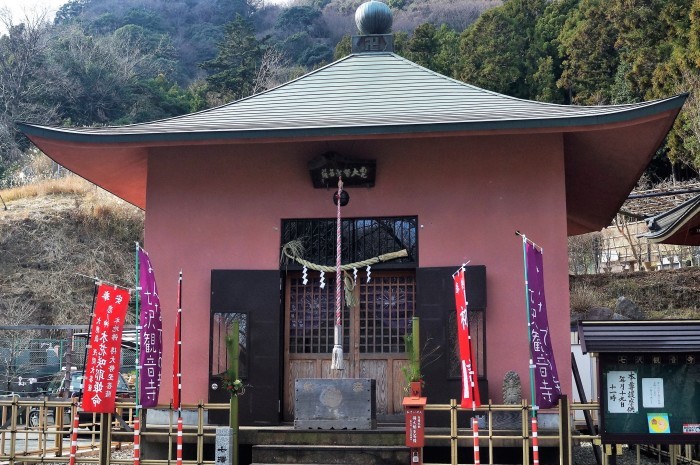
[(546, 381), (151, 335)]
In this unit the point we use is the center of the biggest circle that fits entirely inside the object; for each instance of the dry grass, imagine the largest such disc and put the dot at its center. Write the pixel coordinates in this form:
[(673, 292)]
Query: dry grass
[(583, 297), (70, 184), (94, 206), (659, 294), (56, 230)]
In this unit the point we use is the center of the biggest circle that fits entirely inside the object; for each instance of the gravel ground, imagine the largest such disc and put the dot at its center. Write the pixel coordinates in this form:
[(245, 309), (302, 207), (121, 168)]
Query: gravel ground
[(126, 452), (583, 455)]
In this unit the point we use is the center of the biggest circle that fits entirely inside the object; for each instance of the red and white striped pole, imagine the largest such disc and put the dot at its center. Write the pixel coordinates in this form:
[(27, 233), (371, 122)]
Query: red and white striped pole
[(179, 441), (137, 441), (475, 429), (535, 443), (74, 439)]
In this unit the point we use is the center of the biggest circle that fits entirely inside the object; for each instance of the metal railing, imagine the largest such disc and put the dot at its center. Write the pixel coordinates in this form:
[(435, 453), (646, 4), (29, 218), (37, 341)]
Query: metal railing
[(39, 431), (490, 435), (47, 439)]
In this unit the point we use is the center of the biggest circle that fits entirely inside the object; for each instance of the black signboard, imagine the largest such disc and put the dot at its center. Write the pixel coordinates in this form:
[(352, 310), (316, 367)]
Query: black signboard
[(650, 398), (327, 168)]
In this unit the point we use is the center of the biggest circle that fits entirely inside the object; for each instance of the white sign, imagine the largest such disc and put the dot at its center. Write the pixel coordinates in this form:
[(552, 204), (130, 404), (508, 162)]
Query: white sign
[(652, 392), (691, 428), (623, 392), (224, 446)]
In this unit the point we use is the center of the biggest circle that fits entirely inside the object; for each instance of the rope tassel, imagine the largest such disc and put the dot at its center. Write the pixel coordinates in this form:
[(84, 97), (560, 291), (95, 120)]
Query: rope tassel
[(337, 358)]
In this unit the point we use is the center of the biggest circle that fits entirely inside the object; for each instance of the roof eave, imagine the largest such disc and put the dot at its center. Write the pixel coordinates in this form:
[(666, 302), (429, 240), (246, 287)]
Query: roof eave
[(625, 336), (613, 160), (108, 136), (667, 232)]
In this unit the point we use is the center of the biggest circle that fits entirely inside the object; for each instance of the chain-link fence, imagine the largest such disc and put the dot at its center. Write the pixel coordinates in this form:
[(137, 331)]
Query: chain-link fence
[(29, 362)]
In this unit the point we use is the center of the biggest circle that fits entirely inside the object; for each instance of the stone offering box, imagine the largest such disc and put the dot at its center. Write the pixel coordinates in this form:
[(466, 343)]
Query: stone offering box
[(335, 404)]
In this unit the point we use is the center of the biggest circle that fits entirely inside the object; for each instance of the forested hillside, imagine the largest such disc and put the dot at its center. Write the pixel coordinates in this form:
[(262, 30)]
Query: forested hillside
[(106, 62)]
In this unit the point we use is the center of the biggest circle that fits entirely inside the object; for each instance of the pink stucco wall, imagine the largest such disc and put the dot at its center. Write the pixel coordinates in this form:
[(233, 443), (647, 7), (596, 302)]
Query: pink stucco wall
[(220, 208)]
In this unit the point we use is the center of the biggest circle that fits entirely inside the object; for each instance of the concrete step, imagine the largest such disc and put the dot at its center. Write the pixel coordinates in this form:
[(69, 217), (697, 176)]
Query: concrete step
[(331, 455)]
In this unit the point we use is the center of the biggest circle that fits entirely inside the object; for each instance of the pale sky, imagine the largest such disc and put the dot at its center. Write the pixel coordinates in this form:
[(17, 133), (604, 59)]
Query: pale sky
[(20, 9)]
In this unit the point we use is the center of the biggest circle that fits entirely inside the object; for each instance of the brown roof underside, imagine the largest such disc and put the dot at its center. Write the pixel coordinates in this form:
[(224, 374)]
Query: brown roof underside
[(686, 235), (604, 165)]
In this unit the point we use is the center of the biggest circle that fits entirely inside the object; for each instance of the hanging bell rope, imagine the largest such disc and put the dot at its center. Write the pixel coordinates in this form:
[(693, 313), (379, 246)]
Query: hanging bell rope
[(293, 250), (337, 355)]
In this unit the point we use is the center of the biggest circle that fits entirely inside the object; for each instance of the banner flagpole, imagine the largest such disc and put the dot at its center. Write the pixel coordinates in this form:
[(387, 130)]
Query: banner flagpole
[(137, 362), (177, 365), (76, 418), (87, 339), (535, 439), (544, 379), (137, 325), (179, 346), (529, 329)]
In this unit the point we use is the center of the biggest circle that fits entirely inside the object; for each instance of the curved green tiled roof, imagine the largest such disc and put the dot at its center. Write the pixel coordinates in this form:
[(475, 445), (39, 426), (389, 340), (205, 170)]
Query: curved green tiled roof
[(371, 93), (665, 225), (376, 95)]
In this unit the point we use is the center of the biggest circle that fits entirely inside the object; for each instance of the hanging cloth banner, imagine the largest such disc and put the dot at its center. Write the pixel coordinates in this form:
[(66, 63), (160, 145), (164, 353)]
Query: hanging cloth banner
[(150, 335), (467, 359), (105, 348), (546, 381)]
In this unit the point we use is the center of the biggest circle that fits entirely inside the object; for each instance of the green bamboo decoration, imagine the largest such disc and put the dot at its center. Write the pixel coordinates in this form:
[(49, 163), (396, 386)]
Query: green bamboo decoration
[(233, 355)]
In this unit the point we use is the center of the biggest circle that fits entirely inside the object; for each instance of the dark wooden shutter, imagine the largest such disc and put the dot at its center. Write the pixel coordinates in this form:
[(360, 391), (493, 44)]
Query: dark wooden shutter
[(434, 303), (256, 293)]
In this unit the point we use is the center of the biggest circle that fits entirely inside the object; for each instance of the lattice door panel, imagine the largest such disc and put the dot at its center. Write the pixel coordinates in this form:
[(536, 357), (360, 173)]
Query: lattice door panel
[(373, 333), (387, 305), (312, 316)]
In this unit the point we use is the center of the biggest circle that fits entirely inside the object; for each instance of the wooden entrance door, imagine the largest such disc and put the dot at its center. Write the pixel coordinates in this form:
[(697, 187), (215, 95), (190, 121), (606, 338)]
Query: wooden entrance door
[(373, 331)]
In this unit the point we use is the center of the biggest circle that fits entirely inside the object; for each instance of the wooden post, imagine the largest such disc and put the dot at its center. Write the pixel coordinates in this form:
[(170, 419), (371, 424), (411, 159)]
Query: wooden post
[(233, 355), (105, 438), (564, 431)]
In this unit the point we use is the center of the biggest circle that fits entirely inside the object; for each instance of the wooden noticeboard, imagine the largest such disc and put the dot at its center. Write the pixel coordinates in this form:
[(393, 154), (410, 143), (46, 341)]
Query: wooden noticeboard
[(650, 398)]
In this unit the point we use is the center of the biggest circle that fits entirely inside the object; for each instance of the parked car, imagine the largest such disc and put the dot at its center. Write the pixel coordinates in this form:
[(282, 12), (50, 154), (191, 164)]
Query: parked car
[(27, 372), (56, 391)]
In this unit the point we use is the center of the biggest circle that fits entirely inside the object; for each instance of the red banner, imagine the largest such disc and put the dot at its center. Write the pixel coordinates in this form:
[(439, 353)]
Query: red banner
[(467, 359), (104, 349)]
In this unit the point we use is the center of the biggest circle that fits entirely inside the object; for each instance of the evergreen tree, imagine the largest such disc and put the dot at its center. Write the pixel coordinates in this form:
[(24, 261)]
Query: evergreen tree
[(423, 46), (499, 50), (435, 48), (548, 66), (343, 48), (590, 59), (234, 70)]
